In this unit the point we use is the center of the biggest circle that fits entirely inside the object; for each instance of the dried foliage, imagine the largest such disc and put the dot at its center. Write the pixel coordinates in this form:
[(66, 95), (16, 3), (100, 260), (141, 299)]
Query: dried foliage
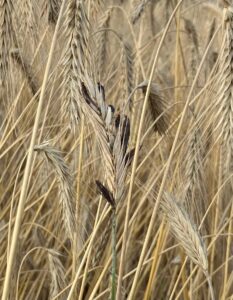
[(151, 112)]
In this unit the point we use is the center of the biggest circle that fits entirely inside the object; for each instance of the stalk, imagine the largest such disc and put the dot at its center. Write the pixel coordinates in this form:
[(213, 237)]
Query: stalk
[(114, 254)]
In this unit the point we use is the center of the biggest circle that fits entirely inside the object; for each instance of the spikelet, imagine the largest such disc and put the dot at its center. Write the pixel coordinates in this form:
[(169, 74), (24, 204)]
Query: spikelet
[(97, 116), (96, 7), (51, 10), (67, 196), (101, 42), (192, 32), (138, 11), (224, 115), (7, 37), (76, 56), (193, 189), (185, 231), (57, 274), (113, 133), (157, 107), (26, 70), (27, 21), (128, 67)]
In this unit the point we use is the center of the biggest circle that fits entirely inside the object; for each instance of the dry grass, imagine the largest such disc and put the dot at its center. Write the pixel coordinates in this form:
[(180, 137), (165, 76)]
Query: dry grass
[(137, 96)]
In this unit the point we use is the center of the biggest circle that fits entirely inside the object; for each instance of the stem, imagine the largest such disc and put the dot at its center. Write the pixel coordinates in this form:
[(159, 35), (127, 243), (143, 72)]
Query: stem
[(184, 276), (228, 249), (210, 287), (90, 244), (78, 198), (114, 254), (154, 267), (177, 59)]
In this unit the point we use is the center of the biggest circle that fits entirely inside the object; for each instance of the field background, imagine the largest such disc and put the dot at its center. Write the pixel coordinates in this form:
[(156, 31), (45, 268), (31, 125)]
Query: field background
[(167, 66)]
